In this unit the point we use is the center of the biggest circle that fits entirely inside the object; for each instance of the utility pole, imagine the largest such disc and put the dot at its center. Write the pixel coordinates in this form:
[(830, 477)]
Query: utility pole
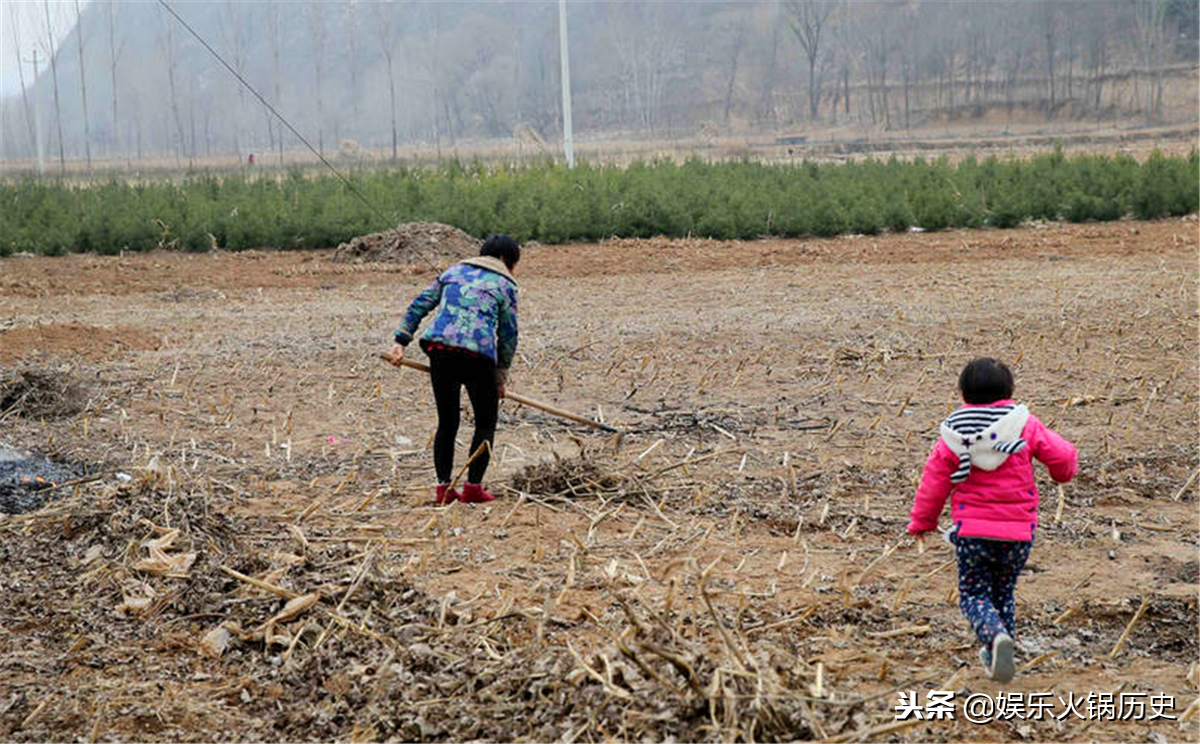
[(37, 117), (566, 82)]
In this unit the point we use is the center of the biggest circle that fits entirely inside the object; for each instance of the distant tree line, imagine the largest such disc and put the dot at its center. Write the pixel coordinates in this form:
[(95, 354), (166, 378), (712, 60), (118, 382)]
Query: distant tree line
[(130, 82)]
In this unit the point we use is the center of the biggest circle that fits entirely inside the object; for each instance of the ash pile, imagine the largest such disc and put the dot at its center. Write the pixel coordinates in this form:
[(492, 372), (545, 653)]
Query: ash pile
[(27, 483)]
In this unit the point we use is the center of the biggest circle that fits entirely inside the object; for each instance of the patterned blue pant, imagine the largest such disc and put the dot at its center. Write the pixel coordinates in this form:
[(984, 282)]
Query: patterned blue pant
[(987, 580)]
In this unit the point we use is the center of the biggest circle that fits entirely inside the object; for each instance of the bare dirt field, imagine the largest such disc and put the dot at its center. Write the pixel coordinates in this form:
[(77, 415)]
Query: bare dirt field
[(261, 559)]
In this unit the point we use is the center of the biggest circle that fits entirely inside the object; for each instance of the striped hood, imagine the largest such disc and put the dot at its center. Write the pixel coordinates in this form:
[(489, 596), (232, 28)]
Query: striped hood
[(984, 436)]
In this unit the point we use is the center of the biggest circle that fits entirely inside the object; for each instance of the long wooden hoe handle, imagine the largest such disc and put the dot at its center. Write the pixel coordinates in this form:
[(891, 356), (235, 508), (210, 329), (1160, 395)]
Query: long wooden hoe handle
[(516, 398)]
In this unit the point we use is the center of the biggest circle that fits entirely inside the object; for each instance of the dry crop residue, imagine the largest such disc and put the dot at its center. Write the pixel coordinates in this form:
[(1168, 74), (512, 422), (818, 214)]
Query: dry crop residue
[(733, 567)]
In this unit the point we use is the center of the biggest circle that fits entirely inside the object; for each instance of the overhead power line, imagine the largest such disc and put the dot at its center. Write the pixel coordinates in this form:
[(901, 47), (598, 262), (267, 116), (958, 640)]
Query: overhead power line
[(354, 190)]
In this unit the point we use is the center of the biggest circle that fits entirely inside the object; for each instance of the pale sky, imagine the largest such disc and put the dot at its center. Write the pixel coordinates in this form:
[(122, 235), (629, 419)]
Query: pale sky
[(28, 19)]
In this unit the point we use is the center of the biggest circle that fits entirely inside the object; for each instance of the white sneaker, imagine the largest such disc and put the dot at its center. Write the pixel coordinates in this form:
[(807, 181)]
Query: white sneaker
[(1002, 668)]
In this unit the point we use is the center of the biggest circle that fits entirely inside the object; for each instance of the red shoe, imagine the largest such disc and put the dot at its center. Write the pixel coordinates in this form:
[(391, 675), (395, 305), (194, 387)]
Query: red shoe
[(446, 495), (473, 493)]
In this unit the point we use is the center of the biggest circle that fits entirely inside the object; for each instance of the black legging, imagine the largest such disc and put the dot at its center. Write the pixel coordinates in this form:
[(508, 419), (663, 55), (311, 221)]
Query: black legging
[(449, 371)]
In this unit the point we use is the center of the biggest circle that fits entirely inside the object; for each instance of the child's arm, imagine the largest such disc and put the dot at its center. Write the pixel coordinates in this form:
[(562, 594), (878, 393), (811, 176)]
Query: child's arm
[(1057, 454), (934, 489), (419, 308)]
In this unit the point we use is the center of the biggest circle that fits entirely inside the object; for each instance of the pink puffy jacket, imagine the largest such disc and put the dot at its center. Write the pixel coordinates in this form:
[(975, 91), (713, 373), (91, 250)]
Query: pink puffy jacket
[(1000, 504)]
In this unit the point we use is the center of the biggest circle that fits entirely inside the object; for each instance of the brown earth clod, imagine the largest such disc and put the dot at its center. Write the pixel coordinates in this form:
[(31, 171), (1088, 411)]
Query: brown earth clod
[(73, 340)]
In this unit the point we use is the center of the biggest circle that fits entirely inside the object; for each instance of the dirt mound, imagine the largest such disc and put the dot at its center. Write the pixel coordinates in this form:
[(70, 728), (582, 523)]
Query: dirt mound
[(73, 339), (41, 393), (409, 243)]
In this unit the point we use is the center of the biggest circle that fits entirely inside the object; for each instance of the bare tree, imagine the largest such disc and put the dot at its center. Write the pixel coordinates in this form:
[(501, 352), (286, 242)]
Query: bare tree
[(648, 47), (167, 45), (1048, 19), (114, 54), (976, 61), (1011, 60), (87, 134), (316, 29), (1072, 39), (877, 42), (273, 29), (766, 105), (50, 52), (385, 30), (12, 12), (880, 52), (1185, 15), (539, 91), (192, 151), (910, 53), (207, 109), (947, 54), (846, 34), (518, 29), (479, 71), (137, 123), (738, 40), (353, 47), (435, 22), (1149, 31), (1096, 54), (807, 19), (233, 30)]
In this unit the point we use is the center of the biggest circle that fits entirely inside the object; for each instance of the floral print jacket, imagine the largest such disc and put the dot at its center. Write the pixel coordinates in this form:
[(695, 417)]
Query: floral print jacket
[(476, 303)]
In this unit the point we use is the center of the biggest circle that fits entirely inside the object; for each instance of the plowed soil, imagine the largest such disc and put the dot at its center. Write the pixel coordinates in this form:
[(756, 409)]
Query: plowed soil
[(780, 399)]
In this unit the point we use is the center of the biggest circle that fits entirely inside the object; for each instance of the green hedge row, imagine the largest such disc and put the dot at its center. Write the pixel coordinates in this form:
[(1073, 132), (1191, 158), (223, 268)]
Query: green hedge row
[(552, 204)]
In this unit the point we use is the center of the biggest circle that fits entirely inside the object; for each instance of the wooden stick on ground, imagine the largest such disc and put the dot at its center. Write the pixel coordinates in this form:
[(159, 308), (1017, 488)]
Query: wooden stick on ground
[(954, 678), (784, 623), (29, 719), (1129, 628), (1066, 614), (76, 482), (939, 569), (881, 557), (276, 590), (1038, 660), (1080, 584), (514, 397), (1190, 713), (684, 463), (910, 630), (1191, 479), (887, 728)]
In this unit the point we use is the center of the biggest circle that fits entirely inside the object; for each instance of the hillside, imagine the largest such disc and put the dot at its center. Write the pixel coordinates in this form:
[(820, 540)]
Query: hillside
[(382, 75)]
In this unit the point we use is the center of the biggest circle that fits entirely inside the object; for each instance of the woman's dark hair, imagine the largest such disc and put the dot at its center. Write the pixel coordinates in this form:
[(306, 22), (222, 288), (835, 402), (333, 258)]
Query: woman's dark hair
[(985, 380), (502, 247)]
